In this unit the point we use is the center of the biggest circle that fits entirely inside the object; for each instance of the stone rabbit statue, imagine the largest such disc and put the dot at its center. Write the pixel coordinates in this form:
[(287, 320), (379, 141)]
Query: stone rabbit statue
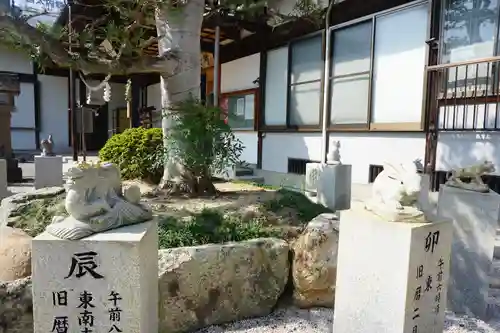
[(47, 146), (396, 190)]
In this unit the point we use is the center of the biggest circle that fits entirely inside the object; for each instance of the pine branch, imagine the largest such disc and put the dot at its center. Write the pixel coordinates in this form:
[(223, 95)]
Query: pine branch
[(23, 33)]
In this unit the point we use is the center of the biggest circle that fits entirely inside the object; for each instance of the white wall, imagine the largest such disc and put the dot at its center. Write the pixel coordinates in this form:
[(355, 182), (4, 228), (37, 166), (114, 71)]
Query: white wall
[(236, 75), (358, 149), (24, 117), (24, 114), (463, 149), (54, 111), (15, 61), (117, 101), (278, 147), (362, 149), (249, 141), (23, 140), (239, 74)]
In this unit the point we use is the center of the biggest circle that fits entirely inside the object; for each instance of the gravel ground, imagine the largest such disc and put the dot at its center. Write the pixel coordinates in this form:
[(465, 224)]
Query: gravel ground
[(320, 320)]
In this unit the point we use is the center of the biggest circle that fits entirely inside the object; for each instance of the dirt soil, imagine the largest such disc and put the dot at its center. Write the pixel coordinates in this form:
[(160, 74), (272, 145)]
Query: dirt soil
[(241, 199)]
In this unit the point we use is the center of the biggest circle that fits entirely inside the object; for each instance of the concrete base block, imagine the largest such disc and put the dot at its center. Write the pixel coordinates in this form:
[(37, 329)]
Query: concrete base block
[(48, 171)]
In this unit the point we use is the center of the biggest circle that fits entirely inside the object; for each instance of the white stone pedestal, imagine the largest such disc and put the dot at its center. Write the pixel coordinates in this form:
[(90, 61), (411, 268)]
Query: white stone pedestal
[(103, 280), (48, 171), (334, 186), (424, 195), (329, 185), (475, 216), (391, 276), (4, 192)]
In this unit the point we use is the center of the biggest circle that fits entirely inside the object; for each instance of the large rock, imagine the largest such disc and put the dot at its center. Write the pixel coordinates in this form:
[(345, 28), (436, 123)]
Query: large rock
[(15, 254), (16, 306), (314, 266), (212, 284), (12, 206)]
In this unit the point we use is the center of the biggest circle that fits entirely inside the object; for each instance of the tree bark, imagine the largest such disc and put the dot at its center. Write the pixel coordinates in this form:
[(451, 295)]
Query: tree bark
[(179, 28)]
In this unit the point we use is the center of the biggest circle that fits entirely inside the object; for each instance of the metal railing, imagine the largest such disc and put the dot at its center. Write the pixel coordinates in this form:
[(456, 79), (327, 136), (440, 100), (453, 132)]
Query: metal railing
[(465, 96)]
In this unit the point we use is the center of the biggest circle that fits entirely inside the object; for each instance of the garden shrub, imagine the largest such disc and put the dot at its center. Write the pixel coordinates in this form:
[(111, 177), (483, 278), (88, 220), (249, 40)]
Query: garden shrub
[(210, 226), (134, 152), (202, 143)]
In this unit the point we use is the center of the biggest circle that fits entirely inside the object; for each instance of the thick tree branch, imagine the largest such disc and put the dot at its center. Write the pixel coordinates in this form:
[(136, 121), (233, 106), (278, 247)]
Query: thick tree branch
[(56, 51)]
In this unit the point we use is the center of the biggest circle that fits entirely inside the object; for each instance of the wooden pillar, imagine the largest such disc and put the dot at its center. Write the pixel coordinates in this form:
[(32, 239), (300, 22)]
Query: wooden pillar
[(136, 101)]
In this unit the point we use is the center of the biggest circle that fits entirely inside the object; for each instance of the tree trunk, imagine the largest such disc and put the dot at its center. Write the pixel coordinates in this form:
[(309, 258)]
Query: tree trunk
[(179, 28)]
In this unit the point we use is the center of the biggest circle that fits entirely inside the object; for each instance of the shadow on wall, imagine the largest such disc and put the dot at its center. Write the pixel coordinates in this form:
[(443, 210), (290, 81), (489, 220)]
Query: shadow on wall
[(475, 216), (284, 158), (456, 150)]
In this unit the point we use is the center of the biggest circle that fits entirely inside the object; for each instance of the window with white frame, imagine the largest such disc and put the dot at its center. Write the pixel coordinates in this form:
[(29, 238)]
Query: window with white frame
[(240, 109), (350, 75), (377, 74), (276, 87), (305, 81), (398, 66)]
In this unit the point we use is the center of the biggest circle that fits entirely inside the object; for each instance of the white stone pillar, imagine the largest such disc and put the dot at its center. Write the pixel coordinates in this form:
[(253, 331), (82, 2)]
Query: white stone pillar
[(104, 283), (334, 186), (475, 216), (48, 171), (391, 276)]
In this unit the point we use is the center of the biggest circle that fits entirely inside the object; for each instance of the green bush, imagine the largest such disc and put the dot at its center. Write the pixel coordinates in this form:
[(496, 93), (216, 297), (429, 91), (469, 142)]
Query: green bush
[(134, 152), (201, 142), (210, 227)]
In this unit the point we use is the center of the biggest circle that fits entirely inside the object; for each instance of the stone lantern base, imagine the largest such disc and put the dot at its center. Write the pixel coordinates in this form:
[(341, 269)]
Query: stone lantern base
[(14, 172)]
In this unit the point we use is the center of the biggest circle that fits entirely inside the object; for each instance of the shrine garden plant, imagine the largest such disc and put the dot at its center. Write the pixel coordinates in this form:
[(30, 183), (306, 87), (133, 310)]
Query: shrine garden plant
[(35, 215), (211, 226), (133, 151), (282, 213), (273, 219)]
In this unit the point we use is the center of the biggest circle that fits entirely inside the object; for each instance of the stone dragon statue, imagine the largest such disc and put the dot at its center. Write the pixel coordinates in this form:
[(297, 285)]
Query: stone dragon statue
[(473, 173), (96, 202)]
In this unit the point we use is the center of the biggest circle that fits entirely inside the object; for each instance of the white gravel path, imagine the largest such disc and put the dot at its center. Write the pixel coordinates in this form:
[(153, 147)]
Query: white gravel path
[(319, 320)]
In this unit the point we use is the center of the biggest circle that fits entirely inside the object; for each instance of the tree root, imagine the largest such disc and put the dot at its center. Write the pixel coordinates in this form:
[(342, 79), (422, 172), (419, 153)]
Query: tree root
[(189, 187)]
